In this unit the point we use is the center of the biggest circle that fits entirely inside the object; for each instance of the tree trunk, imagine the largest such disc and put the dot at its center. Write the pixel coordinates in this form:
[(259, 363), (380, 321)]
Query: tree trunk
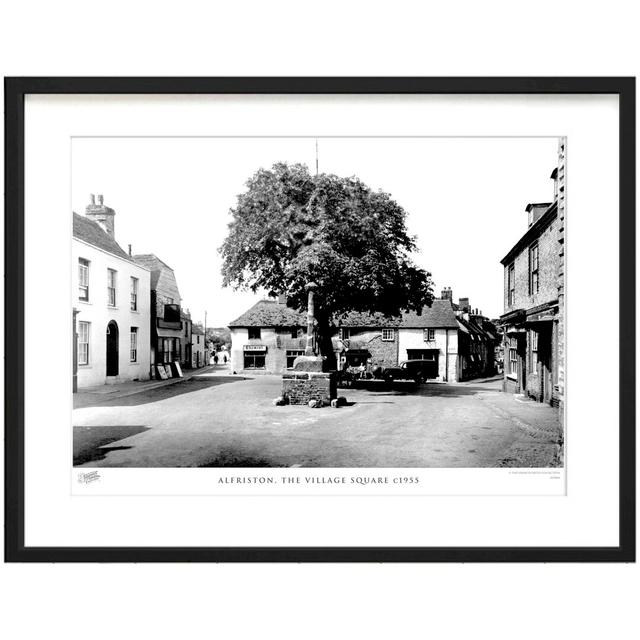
[(323, 340)]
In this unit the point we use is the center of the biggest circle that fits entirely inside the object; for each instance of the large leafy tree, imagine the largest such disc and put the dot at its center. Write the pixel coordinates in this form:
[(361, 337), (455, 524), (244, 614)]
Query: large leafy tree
[(290, 228)]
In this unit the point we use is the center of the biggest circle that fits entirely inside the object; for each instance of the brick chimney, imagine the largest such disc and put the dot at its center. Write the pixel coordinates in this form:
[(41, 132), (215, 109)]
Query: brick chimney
[(464, 305), (447, 294), (104, 216), (282, 298)]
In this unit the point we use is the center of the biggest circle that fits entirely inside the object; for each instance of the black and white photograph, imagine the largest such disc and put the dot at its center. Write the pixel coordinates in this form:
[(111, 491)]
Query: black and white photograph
[(316, 301)]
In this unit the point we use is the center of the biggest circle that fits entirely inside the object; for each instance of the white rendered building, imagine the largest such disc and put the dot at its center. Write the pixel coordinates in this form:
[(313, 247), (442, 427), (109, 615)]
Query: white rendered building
[(111, 300)]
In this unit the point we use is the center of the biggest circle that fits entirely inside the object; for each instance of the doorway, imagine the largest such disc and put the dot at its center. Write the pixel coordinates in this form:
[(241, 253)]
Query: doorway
[(112, 348)]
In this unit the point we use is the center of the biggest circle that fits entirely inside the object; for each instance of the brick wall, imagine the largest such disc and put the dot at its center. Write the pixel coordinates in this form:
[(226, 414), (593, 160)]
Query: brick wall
[(301, 387), (383, 352), (548, 273), (560, 337)]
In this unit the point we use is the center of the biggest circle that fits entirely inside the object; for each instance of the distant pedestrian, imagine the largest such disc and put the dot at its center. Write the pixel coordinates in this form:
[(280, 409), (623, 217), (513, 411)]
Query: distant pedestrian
[(224, 358), (215, 359), (361, 370)]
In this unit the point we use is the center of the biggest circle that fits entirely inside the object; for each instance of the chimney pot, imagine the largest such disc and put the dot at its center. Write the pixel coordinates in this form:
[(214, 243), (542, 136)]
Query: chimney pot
[(129, 250), (92, 198), (100, 200)]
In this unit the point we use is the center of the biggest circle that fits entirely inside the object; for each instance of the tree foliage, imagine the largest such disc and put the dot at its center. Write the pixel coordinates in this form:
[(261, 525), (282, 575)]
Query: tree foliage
[(290, 228)]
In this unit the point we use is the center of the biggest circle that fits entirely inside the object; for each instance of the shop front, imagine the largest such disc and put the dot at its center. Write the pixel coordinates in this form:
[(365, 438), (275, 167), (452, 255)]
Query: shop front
[(255, 357)]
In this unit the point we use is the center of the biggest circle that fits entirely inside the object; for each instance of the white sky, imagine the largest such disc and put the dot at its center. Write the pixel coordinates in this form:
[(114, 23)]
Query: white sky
[(465, 199)]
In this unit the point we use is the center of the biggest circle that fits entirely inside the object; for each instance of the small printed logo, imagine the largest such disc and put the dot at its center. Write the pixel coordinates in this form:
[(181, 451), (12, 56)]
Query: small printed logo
[(90, 476)]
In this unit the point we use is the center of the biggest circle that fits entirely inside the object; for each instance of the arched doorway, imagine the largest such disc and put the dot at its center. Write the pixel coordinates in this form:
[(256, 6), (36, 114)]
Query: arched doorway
[(112, 348)]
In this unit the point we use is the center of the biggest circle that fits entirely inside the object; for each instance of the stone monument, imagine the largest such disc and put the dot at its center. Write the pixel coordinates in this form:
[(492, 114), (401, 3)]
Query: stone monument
[(307, 382)]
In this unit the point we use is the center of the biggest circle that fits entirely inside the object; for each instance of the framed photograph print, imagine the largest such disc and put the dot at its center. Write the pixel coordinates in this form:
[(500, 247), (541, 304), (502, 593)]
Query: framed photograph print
[(320, 319)]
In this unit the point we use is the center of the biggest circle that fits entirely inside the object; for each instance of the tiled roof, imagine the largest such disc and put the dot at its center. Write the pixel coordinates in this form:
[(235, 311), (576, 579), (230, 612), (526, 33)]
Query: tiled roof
[(440, 315), (485, 330), (269, 313), (360, 319), (154, 264), (92, 233)]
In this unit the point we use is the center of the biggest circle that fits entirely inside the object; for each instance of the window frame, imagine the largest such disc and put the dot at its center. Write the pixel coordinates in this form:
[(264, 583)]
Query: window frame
[(133, 344), (533, 349), (389, 339), (511, 284), (112, 278), (83, 324), (513, 358), (254, 331), (534, 268), (248, 355), (428, 335), (83, 268), (134, 293)]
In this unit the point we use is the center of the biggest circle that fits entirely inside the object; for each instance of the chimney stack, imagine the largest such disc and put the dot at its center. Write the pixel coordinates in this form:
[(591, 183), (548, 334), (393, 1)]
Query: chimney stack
[(282, 298), (129, 250), (447, 294), (104, 216), (464, 305)]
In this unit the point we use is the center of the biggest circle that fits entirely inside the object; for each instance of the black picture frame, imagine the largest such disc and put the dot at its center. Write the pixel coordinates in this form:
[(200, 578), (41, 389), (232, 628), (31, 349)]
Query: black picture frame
[(15, 91)]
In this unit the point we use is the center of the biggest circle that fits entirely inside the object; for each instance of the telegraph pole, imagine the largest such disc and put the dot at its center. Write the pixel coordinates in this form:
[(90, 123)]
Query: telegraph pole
[(205, 331)]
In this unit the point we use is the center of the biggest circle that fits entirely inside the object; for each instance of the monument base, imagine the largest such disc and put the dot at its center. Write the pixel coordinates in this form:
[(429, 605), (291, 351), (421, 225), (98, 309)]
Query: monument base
[(299, 387), (308, 363)]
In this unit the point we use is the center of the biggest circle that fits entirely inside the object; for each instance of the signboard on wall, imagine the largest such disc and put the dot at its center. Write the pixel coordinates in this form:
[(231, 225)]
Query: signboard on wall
[(255, 347)]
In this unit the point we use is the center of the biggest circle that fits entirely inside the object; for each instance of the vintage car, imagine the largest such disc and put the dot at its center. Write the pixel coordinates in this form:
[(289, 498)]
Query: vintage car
[(417, 370)]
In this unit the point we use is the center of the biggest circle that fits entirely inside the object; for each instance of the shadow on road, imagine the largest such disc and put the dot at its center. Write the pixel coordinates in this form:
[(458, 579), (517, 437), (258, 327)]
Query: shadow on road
[(156, 394), (227, 458), (87, 441), (381, 388)]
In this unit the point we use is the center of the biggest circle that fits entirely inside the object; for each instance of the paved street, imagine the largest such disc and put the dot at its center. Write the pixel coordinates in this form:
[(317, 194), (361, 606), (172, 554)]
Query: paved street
[(216, 419)]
